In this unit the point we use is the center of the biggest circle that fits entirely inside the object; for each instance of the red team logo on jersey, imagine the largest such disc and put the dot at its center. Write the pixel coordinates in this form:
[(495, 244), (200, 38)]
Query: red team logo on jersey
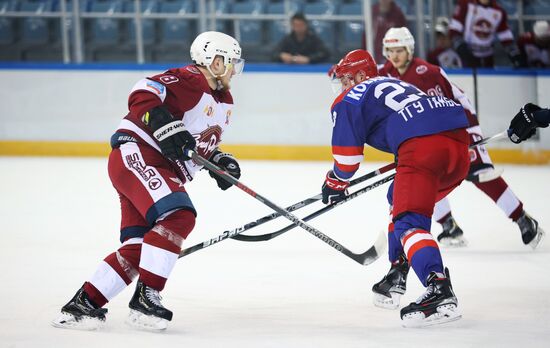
[(483, 28), (208, 140), (421, 69)]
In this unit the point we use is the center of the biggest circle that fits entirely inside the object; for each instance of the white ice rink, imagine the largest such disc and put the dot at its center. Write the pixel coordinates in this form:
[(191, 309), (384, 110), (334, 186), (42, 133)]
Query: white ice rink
[(61, 217)]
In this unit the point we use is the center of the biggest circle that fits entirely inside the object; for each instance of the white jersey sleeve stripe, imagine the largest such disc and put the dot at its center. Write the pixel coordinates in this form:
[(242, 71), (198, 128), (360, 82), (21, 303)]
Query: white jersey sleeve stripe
[(456, 25), (505, 35), (129, 125), (348, 160)]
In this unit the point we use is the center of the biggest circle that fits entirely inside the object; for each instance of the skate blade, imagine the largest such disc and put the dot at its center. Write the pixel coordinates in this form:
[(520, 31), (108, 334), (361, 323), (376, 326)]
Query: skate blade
[(445, 314), (68, 321), (458, 242), (385, 302), (538, 238), (142, 321)]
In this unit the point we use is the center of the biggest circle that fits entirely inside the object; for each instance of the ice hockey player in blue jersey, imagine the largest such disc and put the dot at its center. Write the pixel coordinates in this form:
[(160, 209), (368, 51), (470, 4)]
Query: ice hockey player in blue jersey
[(530, 117), (428, 138)]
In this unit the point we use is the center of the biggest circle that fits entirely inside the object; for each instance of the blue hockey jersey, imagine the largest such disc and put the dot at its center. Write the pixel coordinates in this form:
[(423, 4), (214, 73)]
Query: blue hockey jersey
[(384, 112)]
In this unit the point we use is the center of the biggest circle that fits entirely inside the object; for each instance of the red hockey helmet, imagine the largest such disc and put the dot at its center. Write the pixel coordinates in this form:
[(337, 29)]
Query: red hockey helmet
[(354, 62)]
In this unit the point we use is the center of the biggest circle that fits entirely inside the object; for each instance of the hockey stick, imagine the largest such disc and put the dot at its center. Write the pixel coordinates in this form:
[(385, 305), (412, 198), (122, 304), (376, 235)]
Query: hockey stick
[(384, 169), (268, 236), (235, 233), (365, 258), (484, 177), (488, 139)]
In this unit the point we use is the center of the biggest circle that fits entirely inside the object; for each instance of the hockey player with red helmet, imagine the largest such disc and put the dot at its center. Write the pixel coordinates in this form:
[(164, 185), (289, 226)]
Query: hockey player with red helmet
[(398, 47), (427, 135), (182, 109)]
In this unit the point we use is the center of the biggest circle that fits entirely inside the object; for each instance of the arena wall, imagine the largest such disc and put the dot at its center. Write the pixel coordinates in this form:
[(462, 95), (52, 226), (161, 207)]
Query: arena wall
[(281, 112)]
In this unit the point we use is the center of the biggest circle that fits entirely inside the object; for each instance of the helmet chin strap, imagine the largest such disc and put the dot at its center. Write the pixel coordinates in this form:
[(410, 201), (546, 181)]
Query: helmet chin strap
[(218, 78)]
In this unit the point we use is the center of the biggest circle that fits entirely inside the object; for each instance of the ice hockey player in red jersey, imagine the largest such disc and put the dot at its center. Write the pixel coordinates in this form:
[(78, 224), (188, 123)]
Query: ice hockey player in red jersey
[(473, 28), (182, 109), (401, 64), (535, 45)]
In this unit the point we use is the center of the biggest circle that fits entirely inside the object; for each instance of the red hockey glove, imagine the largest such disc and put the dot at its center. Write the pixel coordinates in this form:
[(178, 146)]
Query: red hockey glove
[(334, 190)]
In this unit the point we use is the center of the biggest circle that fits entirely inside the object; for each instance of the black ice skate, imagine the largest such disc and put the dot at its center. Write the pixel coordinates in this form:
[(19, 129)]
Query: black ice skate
[(452, 235), (81, 313), (436, 306), (531, 233), (146, 311), (388, 291)]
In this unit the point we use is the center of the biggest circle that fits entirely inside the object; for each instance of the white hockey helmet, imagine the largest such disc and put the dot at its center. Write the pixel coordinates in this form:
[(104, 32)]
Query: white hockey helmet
[(210, 44), (541, 29), (442, 25), (398, 37)]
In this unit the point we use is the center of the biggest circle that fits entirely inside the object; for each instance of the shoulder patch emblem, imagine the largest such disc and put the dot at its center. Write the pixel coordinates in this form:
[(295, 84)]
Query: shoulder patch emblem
[(156, 87), (421, 69)]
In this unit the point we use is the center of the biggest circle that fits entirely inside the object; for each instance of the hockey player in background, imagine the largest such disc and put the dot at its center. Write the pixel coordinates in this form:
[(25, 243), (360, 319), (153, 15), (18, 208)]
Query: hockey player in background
[(181, 109), (443, 53), (398, 46), (535, 45), (427, 135), (473, 28), (401, 64)]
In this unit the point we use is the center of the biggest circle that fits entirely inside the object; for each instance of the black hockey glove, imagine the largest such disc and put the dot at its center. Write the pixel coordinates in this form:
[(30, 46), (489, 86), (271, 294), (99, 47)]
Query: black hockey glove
[(518, 60), (174, 140), (334, 190), (464, 52), (228, 163), (525, 123)]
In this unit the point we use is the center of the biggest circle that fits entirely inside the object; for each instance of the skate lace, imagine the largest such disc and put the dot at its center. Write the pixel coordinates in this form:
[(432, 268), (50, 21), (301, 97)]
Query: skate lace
[(153, 296), (430, 290)]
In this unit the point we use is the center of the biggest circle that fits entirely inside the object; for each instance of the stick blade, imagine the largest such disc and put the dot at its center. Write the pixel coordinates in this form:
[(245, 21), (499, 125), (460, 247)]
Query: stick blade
[(375, 251)]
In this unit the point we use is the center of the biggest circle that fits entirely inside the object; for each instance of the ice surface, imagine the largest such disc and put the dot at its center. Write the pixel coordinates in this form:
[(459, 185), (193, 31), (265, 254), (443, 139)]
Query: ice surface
[(61, 217)]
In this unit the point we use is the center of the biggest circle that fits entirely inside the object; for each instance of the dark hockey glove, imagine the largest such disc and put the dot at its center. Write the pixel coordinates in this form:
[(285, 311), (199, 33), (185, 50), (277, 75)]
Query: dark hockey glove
[(228, 163), (334, 190), (524, 124), (173, 139), (464, 52), (518, 60)]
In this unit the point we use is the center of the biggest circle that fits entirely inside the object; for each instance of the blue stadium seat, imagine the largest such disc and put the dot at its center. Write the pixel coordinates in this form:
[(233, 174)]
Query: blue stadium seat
[(35, 30), (84, 7), (177, 31), (510, 6), (250, 30), (223, 7), (409, 7), (147, 25), (276, 30), (351, 36), (536, 7), (105, 31), (325, 29), (7, 32)]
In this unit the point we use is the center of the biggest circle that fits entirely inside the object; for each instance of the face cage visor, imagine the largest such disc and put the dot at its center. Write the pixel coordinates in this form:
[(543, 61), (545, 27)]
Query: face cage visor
[(238, 65)]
